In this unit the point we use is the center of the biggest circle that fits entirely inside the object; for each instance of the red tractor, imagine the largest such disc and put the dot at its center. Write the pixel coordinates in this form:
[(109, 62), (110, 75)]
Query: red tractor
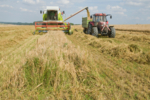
[(98, 24)]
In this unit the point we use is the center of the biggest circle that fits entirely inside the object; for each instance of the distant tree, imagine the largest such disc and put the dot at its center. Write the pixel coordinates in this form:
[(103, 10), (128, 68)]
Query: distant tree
[(77, 24), (71, 23), (16, 23)]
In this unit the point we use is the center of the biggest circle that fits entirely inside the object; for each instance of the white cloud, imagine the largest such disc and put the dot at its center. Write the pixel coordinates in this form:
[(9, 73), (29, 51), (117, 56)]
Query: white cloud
[(38, 1), (116, 10), (23, 9), (143, 10), (148, 6), (32, 1), (148, 18), (4, 11), (137, 18), (29, 1), (80, 8), (26, 10), (94, 9), (138, 3), (134, 3), (78, 1), (6, 6), (64, 2), (51, 3)]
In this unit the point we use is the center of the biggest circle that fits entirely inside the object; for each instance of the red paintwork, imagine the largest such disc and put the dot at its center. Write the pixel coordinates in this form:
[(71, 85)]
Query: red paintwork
[(50, 27), (100, 14), (101, 25), (107, 22), (92, 23)]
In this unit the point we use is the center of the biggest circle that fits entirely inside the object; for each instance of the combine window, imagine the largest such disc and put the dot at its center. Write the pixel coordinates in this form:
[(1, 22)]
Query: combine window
[(52, 15)]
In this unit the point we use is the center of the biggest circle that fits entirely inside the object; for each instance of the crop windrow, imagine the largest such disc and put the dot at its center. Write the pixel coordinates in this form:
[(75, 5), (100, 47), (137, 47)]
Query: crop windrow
[(55, 69)]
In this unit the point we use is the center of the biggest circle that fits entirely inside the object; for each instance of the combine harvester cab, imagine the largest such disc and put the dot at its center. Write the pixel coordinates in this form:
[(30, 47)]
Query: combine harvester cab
[(52, 20)]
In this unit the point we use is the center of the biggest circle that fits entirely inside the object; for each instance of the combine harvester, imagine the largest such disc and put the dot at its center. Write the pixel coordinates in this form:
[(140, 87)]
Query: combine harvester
[(52, 20)]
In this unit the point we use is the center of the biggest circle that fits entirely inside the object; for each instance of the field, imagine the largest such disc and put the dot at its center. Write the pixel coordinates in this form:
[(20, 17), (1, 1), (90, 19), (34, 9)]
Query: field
[(74, 67)]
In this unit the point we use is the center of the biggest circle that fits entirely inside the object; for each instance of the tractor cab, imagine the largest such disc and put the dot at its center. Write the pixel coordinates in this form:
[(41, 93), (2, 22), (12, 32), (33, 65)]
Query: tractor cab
[(99, 17)]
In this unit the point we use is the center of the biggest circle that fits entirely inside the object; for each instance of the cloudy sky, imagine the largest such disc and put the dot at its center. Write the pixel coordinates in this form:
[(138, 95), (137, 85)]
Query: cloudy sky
[(123, 11)]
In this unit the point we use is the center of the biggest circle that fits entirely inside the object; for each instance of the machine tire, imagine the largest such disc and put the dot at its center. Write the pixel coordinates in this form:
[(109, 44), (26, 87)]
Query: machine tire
[(95, 31), (89, 30), (85, 30), (70, 31), (33, 33), (112, 33)]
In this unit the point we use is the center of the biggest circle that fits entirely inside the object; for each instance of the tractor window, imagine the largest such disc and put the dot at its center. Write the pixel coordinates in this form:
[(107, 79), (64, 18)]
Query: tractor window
[(94, 19), (97, 18), (100, 18), (104, 18)]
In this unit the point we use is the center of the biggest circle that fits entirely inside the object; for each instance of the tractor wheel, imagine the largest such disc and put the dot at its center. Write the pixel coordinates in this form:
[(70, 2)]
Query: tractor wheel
[(112, 33), (89, 30), (85, 30), (95, 31)]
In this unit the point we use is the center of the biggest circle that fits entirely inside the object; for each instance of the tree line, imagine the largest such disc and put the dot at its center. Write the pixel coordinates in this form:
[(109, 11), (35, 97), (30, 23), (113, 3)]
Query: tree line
[(16, 23), (21, 23)]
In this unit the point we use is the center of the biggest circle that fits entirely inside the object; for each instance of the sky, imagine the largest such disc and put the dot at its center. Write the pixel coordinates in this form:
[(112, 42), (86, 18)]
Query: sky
[(122, 11)]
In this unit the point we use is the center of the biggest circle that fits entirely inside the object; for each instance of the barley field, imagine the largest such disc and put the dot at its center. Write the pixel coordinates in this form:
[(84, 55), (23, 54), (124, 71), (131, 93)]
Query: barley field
[(57, 66)]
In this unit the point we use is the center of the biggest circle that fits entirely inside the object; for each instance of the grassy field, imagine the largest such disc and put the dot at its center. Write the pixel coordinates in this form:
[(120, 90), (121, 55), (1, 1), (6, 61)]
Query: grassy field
[(75, 67), (138, 27)]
